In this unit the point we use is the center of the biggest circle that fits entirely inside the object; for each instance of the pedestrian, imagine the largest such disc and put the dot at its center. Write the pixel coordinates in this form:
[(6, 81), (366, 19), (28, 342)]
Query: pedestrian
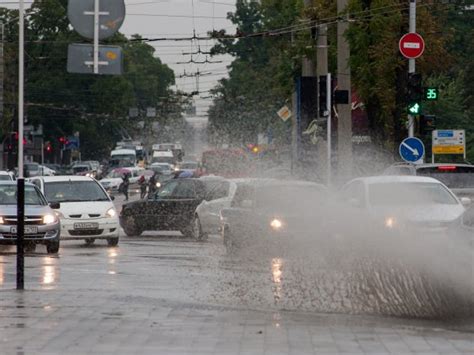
[(152, 184), (142, 184), (124, 186)]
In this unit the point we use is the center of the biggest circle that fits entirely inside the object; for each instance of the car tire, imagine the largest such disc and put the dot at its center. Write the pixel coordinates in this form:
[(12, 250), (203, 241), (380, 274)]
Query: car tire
[(52, 247), (112, 242), (130, 228), (89, 241), (197, 230), (30, 247)]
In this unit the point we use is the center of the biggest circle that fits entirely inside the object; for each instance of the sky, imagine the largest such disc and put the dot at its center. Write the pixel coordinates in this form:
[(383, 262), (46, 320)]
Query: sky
[(175, 19)]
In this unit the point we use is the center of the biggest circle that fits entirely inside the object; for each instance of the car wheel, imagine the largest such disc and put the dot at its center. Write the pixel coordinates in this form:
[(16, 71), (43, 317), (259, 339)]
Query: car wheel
[(89, 241), (30, 247), (52, 247), (130, 228), (112, 242), (197, 230)]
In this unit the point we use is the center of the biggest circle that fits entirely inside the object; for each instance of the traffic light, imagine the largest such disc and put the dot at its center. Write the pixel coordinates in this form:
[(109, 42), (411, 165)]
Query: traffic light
[(427, 124), (48, 148), (430, 94), (322, 95), (414, 94)]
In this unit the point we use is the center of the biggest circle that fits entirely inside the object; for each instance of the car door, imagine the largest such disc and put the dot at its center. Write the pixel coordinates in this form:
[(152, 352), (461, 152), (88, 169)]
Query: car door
[(219, 198), (172, 207)]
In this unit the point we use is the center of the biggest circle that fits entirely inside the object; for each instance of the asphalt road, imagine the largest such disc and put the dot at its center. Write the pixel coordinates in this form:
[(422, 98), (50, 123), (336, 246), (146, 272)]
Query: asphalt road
[(163, 294)]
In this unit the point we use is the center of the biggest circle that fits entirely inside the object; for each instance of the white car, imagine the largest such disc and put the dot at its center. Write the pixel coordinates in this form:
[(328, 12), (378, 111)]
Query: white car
[(113, 180), (86, 212), (399, 202), (6, 176)]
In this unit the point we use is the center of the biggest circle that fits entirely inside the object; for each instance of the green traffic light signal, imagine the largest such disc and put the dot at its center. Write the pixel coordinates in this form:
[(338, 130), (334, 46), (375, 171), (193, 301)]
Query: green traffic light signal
[(414, 108), (431, 94)]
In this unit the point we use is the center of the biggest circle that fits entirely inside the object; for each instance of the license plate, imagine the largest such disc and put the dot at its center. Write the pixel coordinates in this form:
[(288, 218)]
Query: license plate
[(86, 225), (28, 230)]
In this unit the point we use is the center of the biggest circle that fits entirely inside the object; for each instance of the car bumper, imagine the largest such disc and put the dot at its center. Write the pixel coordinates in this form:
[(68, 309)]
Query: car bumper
[(99, 228), (44, 234)]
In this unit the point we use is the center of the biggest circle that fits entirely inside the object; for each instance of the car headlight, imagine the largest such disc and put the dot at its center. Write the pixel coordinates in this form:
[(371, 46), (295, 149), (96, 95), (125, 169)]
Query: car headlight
[(158, 184), (59, 214), (49, 219), (276, 224), (390, 222), (111, 212)]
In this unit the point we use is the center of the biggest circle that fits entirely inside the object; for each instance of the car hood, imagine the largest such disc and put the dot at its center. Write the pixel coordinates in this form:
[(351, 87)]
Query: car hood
[(422, 214), (86, 207), (11, 210)]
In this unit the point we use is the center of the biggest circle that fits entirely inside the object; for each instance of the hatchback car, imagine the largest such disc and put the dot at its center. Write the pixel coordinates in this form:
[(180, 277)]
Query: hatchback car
[(171, 208), (41, 222), (86, 213)]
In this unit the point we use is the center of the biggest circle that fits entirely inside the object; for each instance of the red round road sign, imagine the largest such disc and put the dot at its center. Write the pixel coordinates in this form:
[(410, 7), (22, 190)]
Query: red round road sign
[(411, 45)]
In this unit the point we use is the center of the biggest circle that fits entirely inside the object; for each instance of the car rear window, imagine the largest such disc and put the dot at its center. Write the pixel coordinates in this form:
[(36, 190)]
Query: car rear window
[(453, 176)]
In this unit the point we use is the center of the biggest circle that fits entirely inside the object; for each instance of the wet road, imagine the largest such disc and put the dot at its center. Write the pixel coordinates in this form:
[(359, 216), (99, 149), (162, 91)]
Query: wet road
[(162, 294)]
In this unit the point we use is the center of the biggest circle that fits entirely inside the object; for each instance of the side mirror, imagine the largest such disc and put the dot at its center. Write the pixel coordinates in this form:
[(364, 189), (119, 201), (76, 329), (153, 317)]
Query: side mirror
[(466, 201), (112, 198), (55, 205)]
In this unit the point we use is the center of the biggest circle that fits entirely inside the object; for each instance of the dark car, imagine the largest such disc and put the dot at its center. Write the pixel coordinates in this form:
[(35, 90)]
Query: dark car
[(264, 212), (172, 207), (41, 222)]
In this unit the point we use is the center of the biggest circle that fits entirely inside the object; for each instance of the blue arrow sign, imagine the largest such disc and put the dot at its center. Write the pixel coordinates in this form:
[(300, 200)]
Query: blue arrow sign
[(412, 149)]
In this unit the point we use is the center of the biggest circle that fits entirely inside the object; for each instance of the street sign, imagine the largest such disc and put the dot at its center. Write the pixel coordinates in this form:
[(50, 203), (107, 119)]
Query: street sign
[(449, 141), (80, 59), (411, 45), (284, 113), (412, 150), (81, 16)]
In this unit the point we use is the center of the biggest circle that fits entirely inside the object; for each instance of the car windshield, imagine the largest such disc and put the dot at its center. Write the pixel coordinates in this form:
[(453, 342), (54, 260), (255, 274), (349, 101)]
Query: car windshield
[(80, 168), (189, 165), (289, 197), (169, 160), (8, 195), (5, 178), (160, 167), (456, 177), (32, 167), (409, 194), (74, 191)]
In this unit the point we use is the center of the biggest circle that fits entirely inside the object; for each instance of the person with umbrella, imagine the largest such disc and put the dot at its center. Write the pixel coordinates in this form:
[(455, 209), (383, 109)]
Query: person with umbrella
[(124, 185)]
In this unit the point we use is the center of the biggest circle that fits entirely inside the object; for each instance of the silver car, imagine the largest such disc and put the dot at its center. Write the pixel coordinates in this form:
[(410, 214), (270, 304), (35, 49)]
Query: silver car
[(41, 222)]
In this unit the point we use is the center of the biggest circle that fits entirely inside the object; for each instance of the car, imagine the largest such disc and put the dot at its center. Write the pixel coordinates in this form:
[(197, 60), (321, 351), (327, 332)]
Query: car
[(6, 176), (86, 213), (172, 207), (42, 225), (112, 181), (267, 213), (207, 219), (161, 168), (404, 203), (458, 177)]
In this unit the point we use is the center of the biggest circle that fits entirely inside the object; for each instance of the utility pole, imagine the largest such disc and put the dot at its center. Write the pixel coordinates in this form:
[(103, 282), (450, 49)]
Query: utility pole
[(2, 69), (344, 110), (324, 150), (411, 62), (308, 64)]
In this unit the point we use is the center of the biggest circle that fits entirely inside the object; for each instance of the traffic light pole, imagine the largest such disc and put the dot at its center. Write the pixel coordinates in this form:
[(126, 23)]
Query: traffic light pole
[(20, 260), (411, 62)]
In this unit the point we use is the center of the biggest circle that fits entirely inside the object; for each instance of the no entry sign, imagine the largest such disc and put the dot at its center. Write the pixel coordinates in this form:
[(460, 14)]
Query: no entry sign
[(411, 45)]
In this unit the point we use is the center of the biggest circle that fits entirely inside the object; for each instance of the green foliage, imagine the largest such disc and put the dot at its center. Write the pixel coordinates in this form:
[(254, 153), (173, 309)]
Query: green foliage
[(64, 103)]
